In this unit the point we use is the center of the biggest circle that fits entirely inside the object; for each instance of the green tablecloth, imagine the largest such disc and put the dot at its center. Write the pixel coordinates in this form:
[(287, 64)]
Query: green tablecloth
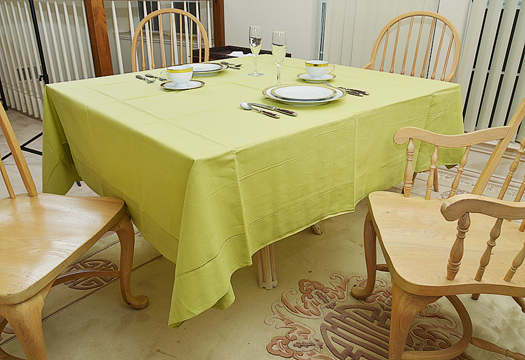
[(209, 184)]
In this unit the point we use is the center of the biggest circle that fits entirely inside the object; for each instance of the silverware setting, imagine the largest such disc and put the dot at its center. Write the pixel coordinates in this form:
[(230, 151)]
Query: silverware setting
[(140, 77), (247, 106), (232, 66), (268, 107), (349, 91), (157, 77)]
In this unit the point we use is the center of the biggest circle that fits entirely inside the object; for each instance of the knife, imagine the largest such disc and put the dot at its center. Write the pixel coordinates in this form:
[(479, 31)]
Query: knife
[(282, 111)]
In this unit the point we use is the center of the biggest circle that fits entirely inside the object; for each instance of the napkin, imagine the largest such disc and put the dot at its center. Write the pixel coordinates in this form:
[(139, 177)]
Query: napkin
[(239, 54)]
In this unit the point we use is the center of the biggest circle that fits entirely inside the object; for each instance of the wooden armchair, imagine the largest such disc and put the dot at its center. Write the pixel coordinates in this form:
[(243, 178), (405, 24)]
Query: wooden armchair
[(418, 43), (40, 236), (429, 255), (182, 37)]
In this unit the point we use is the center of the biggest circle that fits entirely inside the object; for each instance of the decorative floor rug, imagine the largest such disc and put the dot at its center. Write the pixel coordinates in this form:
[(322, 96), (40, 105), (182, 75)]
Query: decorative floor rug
[(324, 322)]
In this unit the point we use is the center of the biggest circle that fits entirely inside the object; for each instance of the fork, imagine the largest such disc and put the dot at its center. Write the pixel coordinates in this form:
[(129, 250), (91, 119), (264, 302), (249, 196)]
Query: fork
[(346, 90), (232, 66)]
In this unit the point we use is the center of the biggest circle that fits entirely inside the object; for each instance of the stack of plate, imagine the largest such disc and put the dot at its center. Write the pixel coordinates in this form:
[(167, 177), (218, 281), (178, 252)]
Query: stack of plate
[(207, 69), (303, 94)]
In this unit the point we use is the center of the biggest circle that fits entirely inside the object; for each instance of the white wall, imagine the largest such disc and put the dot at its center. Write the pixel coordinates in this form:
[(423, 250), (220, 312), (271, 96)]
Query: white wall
[(299, 18), (457, 12)]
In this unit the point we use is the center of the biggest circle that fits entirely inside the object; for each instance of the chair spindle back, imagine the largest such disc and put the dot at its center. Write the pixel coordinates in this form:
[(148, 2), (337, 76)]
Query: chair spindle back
[(181, 39), (430, 45), (20, 161)]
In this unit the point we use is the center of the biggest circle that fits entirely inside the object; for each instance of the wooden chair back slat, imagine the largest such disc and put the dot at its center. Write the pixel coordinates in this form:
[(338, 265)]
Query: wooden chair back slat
[(385, 51), (16, 152), (395, 49), (6, 180), (416, 52), (172, 47), (431, 61), (516, 263), (438, 53), (142, 48), (430, 181), (407, 45), (429, 42), (500, 148), (161, 38), (191, 35), (512, 170), (461, 168), (485, 258)]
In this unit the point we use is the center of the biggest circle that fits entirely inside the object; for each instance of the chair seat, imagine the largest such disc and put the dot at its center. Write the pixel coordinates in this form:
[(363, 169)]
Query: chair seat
[(416, 241), (51, 231)]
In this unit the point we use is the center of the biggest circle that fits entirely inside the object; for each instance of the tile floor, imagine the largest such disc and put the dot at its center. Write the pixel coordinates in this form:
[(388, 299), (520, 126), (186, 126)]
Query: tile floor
[(102, 326)]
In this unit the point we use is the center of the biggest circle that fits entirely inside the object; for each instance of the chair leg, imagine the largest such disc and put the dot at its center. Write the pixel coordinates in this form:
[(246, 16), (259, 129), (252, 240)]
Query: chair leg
[(405, 307), (26, 321), (126, 236), (371, 260), (521, 302)]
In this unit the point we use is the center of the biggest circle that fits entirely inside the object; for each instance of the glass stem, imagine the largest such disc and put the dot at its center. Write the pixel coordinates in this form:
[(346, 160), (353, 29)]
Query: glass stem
[(255, 64), (278, 74)]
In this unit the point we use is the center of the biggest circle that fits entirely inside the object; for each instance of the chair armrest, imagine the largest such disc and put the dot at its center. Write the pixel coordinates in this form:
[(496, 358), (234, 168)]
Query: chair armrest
[(369, 66), (450, 141), (456, 206)]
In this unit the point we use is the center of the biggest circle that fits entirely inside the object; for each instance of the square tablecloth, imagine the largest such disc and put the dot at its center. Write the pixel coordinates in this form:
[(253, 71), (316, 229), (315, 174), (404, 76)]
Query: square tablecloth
[(209, 184)]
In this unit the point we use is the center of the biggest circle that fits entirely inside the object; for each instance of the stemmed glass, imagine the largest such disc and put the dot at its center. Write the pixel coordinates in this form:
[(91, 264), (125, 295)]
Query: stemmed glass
[(255, 46), (279, 51)]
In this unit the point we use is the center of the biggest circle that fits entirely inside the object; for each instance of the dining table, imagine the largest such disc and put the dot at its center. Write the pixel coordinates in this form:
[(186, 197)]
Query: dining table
[(209, 184)]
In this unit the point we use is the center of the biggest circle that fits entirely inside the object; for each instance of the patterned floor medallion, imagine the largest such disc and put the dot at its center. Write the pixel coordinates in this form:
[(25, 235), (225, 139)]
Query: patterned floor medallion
[(321, 322)]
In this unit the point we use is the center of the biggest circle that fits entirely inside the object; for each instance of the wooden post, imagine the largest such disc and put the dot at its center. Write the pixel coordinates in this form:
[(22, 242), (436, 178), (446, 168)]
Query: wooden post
[(218, 23), (98, 35)]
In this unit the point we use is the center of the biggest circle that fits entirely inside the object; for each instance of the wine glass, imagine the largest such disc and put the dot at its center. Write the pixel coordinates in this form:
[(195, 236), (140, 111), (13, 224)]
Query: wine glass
[(255, 46), (279, 51)]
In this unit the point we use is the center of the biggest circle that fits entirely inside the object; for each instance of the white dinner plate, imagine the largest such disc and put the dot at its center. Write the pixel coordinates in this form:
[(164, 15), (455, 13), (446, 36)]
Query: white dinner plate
[(338, 95), (303, 92), (207, 69), (308, 78), (193, 84)]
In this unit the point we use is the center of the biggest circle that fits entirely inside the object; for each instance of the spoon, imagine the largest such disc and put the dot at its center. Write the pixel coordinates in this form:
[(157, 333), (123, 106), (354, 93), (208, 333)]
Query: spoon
[(247, 106), (145, 79)]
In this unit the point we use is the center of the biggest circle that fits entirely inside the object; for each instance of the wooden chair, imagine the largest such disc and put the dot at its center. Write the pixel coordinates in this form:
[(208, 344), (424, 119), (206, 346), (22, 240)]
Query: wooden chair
[(183, 30), (40, 236), (429, 255), (424, 51)]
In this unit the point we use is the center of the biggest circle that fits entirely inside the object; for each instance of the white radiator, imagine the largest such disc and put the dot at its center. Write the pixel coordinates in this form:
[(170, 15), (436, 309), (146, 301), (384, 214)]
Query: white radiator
[(489, 70)]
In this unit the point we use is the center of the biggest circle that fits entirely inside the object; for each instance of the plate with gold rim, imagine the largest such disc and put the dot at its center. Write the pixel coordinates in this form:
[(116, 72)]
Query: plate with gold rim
[(207, 69), (339, 94), (306, 77), (303, 92), (193, 84)]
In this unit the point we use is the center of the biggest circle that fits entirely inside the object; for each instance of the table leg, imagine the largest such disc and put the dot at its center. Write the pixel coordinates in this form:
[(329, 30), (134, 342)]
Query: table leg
[(266, 268), (316, 228)]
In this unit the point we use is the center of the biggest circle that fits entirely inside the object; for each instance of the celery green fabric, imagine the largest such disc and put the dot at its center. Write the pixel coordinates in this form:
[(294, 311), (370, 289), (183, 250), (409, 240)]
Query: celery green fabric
[(209, 184)]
